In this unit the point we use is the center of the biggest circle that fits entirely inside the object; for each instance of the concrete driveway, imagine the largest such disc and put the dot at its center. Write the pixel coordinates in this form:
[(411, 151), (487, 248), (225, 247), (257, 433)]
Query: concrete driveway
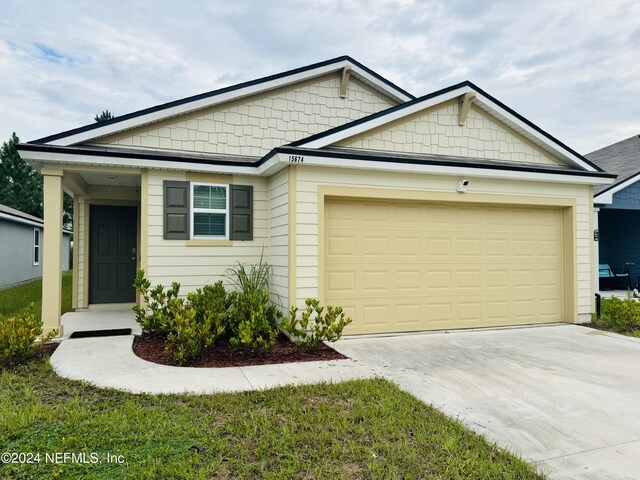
[(564, 397)]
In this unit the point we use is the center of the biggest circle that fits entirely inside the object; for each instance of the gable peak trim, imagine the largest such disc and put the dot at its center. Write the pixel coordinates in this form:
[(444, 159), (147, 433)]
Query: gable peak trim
[(489, 103), (226, 94)]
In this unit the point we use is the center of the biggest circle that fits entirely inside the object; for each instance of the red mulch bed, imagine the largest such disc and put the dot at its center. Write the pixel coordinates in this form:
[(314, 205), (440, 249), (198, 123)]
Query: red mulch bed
[(47, 349), (151, 348)]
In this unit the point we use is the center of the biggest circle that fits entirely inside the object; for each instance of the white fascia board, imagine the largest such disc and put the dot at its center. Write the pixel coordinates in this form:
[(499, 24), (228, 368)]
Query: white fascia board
[(133, 163), (548, 144), (378, 84), (196, 105), (21, 220), (384, 119), (444, 170), (227, 97), (418, 106), (606, 197)]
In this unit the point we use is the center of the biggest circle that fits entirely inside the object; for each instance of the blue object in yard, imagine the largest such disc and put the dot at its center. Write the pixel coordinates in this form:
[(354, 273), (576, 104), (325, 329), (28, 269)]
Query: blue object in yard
[(607, 274)]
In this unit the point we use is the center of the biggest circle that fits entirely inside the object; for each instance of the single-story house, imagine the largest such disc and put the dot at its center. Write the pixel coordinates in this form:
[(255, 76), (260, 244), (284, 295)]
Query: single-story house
[(22, 237), (617, 210), (448, 210)]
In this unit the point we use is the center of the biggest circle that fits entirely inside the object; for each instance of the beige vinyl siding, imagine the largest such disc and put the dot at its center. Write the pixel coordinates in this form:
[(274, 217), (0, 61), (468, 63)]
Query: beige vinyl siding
[(310, 178), (437, 132), (257, 124), (195, 265), (279, 237)]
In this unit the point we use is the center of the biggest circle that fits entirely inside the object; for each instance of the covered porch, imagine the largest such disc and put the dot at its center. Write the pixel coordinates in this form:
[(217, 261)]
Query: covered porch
[(108, 241), (619, 246), (99, 318)]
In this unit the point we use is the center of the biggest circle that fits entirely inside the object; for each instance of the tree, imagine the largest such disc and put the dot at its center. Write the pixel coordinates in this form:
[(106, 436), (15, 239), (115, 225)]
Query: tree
[(103, 117), (21, 185)]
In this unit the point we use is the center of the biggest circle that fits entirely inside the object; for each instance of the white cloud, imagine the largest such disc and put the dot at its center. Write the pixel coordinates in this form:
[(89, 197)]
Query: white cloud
[(570, 67)]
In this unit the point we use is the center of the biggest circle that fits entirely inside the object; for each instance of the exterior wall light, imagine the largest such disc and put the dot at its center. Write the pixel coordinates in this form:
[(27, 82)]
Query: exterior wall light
[(462, 185)]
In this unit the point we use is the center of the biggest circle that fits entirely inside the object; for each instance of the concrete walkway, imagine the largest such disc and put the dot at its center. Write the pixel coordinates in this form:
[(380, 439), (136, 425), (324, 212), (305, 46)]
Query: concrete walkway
[(110, 362), (565, 397)]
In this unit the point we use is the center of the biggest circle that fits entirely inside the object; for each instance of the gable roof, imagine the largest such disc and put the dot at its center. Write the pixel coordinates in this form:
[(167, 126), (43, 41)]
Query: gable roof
[(11, 214), (622, 159), (483, 100), (208, 99)]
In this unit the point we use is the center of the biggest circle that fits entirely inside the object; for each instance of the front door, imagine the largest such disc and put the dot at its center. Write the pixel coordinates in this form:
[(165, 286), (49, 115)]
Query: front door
[(112, 254)]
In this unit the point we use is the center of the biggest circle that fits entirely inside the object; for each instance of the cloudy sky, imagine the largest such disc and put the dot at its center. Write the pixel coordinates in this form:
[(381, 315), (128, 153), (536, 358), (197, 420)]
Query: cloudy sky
[(571, 67)]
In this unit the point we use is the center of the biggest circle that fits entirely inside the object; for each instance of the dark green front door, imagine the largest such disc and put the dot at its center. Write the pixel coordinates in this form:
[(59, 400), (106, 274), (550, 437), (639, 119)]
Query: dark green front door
[(112, 254)]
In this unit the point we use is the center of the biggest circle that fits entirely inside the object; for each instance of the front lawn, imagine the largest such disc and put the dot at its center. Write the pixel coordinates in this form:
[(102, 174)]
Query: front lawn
[(358, 429), (15, 299)]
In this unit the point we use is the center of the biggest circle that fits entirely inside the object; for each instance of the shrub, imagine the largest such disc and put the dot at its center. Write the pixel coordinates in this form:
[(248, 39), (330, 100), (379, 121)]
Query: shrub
[(211, 300), (254, 280), (622, 316), (155, 315), (309, 331), (190, 325), (253, 321), (18, 335)]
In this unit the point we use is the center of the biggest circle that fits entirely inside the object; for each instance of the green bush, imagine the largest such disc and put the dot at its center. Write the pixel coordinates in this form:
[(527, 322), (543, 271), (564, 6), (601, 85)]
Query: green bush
[(313, 327), (18, 334), (253, 320), (618, 315), (189, 324), (155, 315), (211, 301)]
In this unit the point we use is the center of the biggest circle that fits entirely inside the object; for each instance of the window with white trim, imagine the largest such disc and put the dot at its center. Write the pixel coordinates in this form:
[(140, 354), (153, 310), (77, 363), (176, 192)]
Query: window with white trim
[(209, 211), (36, 246)]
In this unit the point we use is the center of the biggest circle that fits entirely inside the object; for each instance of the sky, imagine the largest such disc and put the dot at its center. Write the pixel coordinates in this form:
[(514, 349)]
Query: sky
[(570, 67)]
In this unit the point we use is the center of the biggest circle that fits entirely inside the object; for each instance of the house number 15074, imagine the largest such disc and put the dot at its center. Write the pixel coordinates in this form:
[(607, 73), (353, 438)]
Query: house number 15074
[(296, 159)]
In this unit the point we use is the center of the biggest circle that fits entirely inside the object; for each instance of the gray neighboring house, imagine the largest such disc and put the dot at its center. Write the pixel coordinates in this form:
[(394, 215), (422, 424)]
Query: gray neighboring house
[(21, 240), (617, 210)]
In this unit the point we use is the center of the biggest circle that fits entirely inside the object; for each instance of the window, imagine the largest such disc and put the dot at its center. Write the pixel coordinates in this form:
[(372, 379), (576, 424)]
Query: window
[(36, 246), (209, 211)]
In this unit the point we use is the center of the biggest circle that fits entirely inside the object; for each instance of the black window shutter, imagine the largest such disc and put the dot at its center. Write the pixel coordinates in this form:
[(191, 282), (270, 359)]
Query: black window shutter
[(241, 210), (176, 210)]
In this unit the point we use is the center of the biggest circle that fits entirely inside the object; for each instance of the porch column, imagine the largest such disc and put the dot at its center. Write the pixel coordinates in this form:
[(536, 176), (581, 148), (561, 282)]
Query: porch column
[(596, 253), (52, 251)]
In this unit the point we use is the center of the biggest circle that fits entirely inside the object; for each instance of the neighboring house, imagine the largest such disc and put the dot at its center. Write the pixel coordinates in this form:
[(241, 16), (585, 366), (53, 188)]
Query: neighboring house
[(617, 208), (21, 238), (444, 211)]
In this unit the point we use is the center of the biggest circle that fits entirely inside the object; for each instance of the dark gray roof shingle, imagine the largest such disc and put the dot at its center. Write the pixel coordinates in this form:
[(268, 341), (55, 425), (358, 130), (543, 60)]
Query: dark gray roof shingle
[(622, 159)]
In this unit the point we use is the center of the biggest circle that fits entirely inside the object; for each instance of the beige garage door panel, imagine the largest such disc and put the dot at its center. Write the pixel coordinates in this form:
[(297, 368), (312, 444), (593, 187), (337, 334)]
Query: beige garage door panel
[(405, 267)]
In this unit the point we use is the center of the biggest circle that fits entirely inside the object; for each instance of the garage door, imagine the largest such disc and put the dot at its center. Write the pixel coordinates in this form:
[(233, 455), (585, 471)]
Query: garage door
[(399, 267)]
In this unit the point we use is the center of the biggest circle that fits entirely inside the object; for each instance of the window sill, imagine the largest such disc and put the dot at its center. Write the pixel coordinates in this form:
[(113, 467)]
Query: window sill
[(209, 243)]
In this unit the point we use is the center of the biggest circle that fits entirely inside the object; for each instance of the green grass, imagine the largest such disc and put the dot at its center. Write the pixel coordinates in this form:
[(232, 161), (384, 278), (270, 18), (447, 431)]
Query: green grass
[(358, 429), (15, 299)]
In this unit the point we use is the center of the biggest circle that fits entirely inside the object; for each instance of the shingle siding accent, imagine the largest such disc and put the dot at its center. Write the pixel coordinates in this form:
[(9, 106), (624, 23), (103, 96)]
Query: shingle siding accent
[(627, 198), (438, 132), (262, 123)]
